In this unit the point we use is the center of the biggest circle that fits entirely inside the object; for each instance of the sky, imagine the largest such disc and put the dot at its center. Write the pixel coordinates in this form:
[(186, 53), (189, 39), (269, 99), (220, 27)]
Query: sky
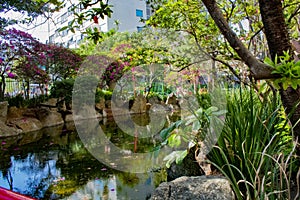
[(39, 28)]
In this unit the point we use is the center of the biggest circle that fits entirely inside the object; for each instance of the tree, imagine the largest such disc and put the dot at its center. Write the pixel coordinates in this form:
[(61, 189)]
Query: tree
[(276, 32), (62, 63), (244, 43), (32, 8), (17, 46), (29, 70), (90, 12)]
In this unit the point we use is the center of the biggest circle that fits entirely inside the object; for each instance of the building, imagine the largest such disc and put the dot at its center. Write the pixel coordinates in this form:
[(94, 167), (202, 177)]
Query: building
[(127, 13)]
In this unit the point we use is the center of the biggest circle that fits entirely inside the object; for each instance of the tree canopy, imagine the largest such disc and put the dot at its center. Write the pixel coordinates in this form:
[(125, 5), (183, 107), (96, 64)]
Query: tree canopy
[(248, 32), (31, 9)]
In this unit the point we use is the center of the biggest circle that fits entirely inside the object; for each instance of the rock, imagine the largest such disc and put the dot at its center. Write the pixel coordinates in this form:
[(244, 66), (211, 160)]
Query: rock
[(52, 118), (148, 106), (101, 104), (153, 100), (33, 112), (139, 104), (14, 112), (3, 111), (172, 99), (104, 113), (195, 188), (26, 124), (69, 118), (87, 112), (188, 167), (157, 108), (70, 126), (7, 131), (141, 119), (51, 102), (108, 104)]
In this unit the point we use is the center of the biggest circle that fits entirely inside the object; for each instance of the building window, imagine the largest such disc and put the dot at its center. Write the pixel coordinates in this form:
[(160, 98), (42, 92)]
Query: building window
[(148, 11), (64, 17), (79, 8), (140, 28), (51, 39), (139, 13), (58, 20), (64, 33)]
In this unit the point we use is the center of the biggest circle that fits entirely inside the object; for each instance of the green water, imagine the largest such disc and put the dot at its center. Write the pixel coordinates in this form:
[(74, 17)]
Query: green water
[(54, 164)]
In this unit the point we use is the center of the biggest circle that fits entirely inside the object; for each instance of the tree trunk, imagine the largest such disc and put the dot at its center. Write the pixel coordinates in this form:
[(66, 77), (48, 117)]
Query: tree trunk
[(275, 27), (278, 41), (258, 69), (2, 87), (27, 90)]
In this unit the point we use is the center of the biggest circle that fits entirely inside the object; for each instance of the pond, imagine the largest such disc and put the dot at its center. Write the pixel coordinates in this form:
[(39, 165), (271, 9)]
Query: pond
[(54, 164)]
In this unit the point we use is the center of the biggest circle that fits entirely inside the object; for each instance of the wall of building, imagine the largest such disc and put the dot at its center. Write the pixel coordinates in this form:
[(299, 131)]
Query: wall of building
[(128, 13)]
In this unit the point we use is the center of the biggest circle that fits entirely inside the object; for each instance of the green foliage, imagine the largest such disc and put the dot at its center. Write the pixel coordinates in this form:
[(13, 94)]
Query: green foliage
[(176, 156), (20, 102), (189, 17), (287, 68), (89, 13), (102, 94), (32, 8), (203, 98), (63, 89), (97, 36), (85, 89), (192, 129), (160, 97), (291, 13), (255, 147), (17, 101)]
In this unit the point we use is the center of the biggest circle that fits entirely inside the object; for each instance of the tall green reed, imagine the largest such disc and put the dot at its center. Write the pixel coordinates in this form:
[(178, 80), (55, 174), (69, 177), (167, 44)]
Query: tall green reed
[(255, 150)]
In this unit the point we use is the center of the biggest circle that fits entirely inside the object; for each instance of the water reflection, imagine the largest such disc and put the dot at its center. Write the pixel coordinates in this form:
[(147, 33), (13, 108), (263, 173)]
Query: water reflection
[(53, 164)]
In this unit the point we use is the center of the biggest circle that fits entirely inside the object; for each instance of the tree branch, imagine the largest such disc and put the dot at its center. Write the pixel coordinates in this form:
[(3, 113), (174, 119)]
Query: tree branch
[(258, 69)]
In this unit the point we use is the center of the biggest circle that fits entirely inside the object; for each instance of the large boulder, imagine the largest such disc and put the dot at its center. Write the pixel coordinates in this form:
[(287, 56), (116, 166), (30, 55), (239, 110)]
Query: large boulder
[(154, 100), (14, 112), (139, 104), (86, 112), (7, 131), (51, 118), (195, 188), (51, 104), (3, 111), (26, 124)]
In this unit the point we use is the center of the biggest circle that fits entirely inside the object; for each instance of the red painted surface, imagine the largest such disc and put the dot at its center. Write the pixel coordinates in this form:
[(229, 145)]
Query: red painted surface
[(6, 194)]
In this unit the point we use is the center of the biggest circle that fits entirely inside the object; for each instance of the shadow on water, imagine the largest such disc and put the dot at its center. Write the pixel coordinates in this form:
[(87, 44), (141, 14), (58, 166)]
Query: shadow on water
[(54, 164)]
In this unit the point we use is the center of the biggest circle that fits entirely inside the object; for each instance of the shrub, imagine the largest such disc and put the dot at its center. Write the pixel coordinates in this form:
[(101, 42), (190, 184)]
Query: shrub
[(19, 101), (255, 150), (63, 89)]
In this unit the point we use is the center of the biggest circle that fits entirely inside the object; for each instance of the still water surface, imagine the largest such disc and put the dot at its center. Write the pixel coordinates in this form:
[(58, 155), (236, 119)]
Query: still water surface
[(54, 164)]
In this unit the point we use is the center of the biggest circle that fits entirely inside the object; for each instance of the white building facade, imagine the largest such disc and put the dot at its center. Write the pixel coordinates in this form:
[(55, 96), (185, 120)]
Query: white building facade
[(128, 14)]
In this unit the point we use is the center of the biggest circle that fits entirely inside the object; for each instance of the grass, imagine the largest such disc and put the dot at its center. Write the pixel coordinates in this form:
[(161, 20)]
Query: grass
[(255, 150)]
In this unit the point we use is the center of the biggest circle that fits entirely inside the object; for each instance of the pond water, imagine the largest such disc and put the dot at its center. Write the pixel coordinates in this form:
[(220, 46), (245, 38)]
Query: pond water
[(54, 164)]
